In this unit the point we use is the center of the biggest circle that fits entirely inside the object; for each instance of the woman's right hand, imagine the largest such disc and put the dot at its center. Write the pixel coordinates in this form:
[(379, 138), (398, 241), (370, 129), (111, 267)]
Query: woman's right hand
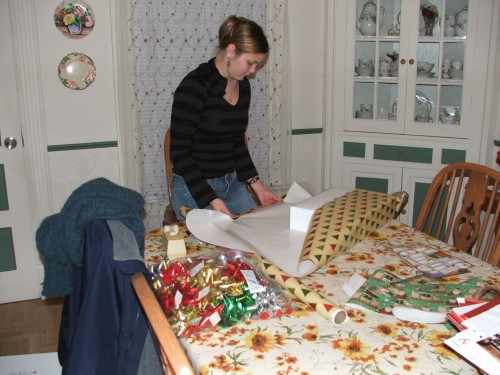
[(218, 205)]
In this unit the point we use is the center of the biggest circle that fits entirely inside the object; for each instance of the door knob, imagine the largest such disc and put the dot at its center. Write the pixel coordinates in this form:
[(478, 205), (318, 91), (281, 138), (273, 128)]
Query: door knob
[(10, 143)]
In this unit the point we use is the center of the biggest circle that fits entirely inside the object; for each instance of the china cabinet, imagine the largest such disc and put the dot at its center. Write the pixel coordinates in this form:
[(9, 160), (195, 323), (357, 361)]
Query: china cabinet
[(407, 90)]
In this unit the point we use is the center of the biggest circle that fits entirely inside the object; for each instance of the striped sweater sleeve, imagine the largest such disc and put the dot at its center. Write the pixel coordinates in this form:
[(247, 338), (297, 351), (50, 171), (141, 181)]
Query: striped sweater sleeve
[(189, 100)]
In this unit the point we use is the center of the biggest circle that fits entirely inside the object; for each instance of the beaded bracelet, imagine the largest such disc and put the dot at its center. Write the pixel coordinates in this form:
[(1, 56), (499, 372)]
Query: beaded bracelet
[(253, 180)]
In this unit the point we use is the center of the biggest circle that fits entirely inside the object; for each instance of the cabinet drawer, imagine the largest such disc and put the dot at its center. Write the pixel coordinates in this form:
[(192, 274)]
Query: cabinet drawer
[(403, 153)]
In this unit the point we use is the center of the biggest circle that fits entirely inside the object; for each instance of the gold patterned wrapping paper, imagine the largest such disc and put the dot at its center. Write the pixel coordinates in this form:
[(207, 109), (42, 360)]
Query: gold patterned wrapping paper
[(305, 294), (342, 223)]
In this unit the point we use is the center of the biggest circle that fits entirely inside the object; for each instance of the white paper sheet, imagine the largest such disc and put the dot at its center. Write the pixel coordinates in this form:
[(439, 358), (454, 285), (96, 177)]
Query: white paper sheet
[(265, 231), (465, 343)]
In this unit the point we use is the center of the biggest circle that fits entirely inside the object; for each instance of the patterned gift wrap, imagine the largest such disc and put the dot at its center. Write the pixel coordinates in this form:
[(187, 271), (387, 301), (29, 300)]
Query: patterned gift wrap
[(347, 220)]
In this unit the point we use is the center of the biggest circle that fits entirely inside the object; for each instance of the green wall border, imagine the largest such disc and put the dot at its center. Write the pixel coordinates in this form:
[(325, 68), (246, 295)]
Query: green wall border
[(307, 131), (4, 198), (82, 146), (395, 153), (450, 156), (7, 255), (354, 149)]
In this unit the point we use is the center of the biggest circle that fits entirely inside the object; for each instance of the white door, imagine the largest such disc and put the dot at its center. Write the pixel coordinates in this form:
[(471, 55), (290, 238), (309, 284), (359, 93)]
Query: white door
[(18, 255)]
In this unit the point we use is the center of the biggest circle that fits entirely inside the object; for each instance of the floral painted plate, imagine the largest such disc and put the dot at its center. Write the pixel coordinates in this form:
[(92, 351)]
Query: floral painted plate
[(74, 19), (76, 71)]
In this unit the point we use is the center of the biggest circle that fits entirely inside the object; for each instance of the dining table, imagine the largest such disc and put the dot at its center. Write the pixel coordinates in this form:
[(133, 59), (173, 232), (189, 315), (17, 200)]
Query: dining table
[(306, 343)]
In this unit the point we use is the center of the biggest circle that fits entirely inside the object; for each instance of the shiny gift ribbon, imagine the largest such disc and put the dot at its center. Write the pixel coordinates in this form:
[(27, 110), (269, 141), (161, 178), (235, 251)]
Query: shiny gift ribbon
[(216, 292)]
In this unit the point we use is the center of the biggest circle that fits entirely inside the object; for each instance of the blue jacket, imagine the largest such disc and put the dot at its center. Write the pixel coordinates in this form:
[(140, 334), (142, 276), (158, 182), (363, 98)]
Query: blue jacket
[(103, 328)]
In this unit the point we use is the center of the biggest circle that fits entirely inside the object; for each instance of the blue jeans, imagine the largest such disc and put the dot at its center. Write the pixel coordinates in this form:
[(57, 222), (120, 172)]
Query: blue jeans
[(228, 188)]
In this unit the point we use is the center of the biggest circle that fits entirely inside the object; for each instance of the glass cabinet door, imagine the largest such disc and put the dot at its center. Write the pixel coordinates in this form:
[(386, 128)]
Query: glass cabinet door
[(409, 62), (438, 69), (377, 80)]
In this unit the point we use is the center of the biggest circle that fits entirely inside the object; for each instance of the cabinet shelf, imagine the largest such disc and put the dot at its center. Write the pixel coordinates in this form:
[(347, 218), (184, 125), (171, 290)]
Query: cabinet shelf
[(452, 82)]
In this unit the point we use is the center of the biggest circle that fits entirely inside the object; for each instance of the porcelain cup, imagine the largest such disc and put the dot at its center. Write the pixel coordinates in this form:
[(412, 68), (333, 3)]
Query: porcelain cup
[(456, 74), (365, 62), (361, 114), (366, 108), (384, 69), (423, 118), (457, 65), (449, 115)]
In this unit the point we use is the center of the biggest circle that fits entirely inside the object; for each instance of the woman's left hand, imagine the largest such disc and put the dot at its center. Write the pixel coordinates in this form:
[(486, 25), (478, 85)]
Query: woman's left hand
[(265, 195)]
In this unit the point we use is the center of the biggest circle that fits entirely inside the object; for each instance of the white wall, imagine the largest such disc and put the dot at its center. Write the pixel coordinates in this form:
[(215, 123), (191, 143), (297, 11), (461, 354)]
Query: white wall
[(306, 33), (493, 92), (74, 118)]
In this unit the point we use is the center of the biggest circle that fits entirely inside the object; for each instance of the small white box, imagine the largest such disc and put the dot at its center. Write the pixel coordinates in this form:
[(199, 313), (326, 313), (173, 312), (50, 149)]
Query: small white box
[(302, 212), (173, 242)]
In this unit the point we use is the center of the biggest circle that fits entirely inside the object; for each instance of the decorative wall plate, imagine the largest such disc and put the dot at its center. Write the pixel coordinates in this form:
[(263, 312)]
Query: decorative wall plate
[(74, 19), (76, 71)]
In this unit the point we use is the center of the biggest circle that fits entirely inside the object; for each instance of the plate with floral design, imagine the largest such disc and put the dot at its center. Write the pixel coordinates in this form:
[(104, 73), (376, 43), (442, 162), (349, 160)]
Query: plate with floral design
[(74, 19), (76, 71)]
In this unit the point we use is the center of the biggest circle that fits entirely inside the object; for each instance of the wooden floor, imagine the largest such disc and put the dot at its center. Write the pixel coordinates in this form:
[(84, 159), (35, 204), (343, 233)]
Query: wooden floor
[(30, 327)]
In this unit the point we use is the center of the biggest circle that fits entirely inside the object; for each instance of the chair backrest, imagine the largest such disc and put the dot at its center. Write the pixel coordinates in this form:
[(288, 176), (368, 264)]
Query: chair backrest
[(172, 355), (169, 215), (168, 163), (462, 207)]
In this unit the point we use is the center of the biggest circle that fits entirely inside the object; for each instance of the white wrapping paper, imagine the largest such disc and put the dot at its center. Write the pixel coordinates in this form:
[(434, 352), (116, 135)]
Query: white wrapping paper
[(265, 231)]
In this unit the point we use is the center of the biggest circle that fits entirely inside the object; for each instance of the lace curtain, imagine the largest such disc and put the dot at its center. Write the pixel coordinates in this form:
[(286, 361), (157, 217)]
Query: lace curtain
[(169, 39)]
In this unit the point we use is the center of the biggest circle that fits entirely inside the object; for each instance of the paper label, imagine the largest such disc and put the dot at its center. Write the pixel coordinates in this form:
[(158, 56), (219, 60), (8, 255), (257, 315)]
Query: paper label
[(177, 299), (214, 318), (202, 293), (252, 282), (197, 268)]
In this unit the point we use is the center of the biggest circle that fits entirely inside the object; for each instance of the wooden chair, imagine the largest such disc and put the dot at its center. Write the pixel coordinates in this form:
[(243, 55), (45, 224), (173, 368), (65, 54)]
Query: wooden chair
[(462, 208), (169, 215), (172, 355)]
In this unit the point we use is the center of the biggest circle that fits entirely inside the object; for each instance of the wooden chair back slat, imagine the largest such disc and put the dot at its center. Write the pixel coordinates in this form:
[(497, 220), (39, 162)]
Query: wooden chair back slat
[(173, 357), (462, 207)]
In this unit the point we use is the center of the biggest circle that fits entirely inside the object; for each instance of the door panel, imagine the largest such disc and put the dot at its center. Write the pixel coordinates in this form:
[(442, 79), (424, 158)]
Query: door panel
[(18, 256)]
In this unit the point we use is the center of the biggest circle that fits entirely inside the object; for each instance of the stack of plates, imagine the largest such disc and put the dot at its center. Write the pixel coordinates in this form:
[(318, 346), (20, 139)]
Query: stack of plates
[(364, 71)]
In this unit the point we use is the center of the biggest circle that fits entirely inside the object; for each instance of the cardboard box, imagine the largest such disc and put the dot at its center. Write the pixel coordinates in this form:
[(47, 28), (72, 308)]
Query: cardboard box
[(302, 212), (36, 364)]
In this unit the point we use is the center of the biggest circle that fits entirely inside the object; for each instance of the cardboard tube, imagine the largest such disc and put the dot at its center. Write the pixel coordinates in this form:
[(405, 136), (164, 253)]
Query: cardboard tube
[(322, 305)]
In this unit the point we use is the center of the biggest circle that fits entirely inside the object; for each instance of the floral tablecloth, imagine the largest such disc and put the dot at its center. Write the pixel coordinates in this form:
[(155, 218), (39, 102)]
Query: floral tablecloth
[(307, 343)]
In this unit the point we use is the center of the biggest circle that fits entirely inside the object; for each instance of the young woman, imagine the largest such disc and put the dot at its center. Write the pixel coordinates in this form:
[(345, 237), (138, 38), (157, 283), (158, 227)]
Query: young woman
[(210, 158)]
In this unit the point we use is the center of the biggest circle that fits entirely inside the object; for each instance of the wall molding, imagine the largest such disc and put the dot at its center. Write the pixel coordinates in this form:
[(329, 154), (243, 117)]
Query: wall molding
[(307, 131), (81, 146)]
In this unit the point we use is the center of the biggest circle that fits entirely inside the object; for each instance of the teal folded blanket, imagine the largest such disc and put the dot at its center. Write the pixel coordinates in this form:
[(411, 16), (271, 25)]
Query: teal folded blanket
[(60, 237)]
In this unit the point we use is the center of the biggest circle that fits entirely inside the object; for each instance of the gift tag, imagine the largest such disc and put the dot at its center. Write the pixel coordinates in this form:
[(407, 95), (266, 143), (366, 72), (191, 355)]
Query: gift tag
[(197, 268), (202, 293), (178, 299), (214, 318), (252, 282)]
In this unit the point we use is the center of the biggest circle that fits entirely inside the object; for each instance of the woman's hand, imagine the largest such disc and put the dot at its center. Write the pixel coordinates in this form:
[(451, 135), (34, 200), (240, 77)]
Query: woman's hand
[(218, 205), (265, 195)]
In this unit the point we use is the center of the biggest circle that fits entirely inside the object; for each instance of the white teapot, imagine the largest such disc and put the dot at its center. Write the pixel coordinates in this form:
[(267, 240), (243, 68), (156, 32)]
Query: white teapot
[(461, 22), (367, 21), (449, 26)]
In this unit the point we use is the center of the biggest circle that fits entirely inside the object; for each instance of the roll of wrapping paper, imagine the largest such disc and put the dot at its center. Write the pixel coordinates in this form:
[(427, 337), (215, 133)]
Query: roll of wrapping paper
[(322, 305), (340, 224)]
